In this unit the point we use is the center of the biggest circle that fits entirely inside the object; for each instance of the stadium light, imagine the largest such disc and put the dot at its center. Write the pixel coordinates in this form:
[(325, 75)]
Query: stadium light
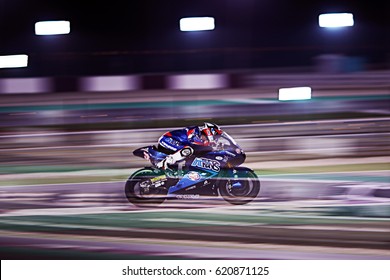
[(333, 20), (197, 23), (52, 27), (13, 61), (294, 93)]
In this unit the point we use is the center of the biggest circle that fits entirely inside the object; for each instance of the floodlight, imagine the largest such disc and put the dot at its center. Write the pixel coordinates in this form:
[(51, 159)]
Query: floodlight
[(197, 23), (335, 20), (52, 27), (295, 93), (13, 61)]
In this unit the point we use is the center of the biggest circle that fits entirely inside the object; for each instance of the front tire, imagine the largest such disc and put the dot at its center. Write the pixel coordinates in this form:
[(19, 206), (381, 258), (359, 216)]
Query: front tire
[(140, 191), (242, 189)]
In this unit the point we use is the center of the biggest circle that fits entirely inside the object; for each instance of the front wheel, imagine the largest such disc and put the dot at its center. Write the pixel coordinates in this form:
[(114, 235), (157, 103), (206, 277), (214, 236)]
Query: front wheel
[(141, 189), (242, 188)]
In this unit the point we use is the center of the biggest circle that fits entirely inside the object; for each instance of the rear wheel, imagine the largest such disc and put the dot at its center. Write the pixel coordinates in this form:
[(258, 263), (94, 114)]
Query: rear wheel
[(242, 188), (146, 187)]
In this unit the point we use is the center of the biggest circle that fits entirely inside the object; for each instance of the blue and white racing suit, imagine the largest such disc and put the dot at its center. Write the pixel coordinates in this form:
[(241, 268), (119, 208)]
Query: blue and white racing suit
[(179, 144)]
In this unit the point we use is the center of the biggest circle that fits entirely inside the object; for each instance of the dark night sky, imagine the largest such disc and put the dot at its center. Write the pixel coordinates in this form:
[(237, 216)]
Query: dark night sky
[(116, 37)]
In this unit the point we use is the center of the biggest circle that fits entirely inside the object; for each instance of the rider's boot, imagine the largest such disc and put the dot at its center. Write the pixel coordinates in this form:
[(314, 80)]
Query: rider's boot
[(176, 157)]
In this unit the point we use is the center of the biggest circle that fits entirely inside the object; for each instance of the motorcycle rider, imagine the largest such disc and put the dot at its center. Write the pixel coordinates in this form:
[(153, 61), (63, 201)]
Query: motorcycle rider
[(181, 143)]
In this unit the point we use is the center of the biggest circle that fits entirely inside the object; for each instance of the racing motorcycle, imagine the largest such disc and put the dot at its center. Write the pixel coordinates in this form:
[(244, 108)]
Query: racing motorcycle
[(216, 172)]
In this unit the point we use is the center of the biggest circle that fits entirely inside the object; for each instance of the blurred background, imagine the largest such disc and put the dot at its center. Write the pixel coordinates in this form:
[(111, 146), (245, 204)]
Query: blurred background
[(124, 73)]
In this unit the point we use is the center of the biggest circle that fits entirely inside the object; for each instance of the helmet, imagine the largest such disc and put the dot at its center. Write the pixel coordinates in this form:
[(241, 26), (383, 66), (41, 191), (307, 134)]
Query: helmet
[(210, 130)]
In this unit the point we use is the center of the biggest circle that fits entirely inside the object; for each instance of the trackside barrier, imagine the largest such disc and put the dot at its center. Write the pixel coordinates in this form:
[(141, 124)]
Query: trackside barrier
[(200, 81)]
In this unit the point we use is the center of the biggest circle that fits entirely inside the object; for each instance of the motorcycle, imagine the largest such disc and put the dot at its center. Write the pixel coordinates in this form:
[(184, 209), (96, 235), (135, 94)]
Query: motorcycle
[(215, 172)]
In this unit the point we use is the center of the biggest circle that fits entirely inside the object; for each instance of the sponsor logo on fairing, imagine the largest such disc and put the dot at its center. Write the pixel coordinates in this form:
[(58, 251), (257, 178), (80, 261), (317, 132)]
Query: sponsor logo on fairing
[(187, 196), (194, 176), (146, 155), (206, 163), (165, 145)]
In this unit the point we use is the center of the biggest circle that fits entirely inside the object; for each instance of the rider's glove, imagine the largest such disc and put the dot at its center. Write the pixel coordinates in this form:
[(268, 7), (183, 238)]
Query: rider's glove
[(216, 145)]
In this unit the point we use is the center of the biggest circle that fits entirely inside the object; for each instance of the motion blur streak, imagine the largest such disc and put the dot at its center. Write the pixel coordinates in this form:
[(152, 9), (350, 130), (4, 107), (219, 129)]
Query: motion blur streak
[(323, 166)]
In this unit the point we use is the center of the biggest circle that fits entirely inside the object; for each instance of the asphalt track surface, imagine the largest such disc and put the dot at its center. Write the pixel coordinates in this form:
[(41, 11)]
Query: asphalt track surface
[(94, 221)]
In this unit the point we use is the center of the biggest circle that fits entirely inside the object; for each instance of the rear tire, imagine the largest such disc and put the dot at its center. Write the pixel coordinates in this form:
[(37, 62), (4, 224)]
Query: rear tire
[(248, 191), (140, 192)]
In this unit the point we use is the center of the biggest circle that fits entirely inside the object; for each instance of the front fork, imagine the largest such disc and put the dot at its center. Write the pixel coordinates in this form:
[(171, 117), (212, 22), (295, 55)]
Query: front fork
[(230, 176)]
